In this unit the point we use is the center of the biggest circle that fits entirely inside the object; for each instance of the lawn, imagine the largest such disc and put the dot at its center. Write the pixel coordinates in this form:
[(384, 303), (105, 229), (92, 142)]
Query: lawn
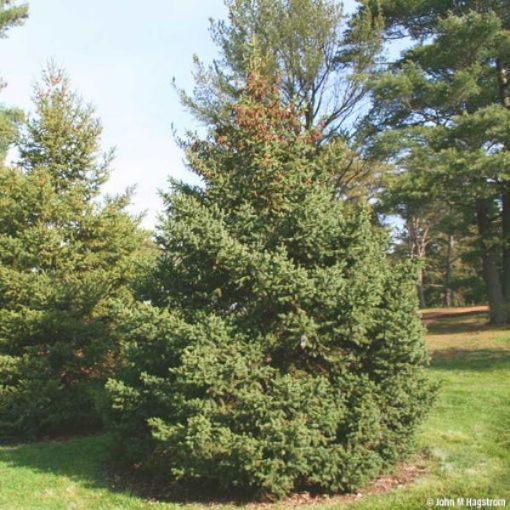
[(464, 446)]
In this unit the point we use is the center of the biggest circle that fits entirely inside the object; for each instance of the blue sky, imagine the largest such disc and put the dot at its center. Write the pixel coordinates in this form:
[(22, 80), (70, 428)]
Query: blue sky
[(121, 56)]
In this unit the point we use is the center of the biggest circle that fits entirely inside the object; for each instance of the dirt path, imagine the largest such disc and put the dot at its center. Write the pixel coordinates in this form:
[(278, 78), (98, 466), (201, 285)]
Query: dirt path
[(440, 313)]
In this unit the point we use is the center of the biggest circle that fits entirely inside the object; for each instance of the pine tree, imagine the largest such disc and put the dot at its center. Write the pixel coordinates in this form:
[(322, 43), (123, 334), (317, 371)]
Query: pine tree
[(323, 59), (10, 15), (433, 232), (66, 262), (450, 95), (285, 352)]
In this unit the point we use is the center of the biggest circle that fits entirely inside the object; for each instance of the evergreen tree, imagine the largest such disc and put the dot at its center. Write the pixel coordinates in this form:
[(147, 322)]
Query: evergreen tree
[(450, 96), (10, 15), (434, 232), (323, 60), (406, 196), (66, 262), (285, 351)]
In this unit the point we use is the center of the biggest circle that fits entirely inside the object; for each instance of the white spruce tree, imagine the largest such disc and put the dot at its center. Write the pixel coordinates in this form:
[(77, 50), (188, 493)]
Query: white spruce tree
[(324, 60), (285, 351), (67, 258)]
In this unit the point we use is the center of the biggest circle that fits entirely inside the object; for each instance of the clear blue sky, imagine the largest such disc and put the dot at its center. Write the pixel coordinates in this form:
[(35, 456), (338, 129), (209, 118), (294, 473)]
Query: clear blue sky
[(121, 56)]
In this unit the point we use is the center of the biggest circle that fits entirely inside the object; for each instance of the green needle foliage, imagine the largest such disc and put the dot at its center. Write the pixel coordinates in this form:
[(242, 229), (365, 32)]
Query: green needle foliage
[(10, 15), (447, 102), (286, 352), (66, 263), (323, 60)]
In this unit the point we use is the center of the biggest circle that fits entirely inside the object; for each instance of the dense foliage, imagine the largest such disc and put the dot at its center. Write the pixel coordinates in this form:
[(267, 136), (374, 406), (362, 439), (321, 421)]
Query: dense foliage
[(432, 230), (285, 351), (66, 262), (446, 104), (276, 345)]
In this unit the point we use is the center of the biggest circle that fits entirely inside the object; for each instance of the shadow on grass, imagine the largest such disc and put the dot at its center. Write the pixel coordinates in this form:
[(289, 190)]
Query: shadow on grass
[(480, 360), (469, 323), (87, 460), (77, 459)]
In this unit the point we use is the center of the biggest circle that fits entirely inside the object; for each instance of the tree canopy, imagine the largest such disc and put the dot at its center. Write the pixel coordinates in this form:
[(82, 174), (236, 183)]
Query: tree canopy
[(10, 15), (447, 100)]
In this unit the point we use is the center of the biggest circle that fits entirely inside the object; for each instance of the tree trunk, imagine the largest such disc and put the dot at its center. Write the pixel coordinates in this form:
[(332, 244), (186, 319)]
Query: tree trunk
[(421, 289), (491, 269), (504, 90), (506, 247), (448, 291), (418, 232)]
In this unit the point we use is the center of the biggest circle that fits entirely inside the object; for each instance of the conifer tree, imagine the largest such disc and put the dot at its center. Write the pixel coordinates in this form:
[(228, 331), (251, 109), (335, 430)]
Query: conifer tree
[(449, 95), (434, 232), (323, 59), (285, 351), (10, 15), (66, 262)]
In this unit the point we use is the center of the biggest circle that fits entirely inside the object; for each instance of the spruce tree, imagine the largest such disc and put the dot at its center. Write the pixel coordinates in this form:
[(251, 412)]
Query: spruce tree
[(67, 258), (324, 59), (281, 350)]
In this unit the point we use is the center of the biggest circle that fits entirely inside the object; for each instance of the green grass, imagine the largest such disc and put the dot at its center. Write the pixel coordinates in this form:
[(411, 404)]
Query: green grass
[(464, 445)]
